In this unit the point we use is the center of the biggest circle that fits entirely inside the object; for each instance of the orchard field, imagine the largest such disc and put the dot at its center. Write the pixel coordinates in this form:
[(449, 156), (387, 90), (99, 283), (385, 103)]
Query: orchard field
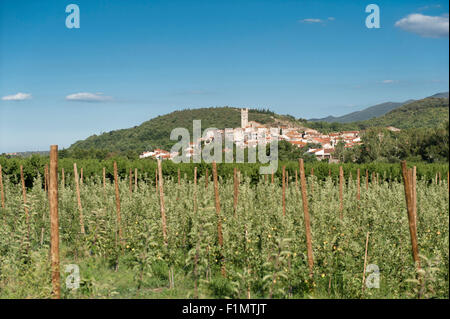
[(252, 247)]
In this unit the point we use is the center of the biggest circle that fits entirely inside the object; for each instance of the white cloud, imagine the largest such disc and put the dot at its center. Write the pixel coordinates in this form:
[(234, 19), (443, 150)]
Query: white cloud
[(310, 20), (425, 26), (331, 18), (17, 97), (88, 97)]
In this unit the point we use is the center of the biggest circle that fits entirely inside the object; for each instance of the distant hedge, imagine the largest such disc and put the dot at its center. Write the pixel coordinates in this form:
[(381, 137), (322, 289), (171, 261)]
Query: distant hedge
[(34, 165)]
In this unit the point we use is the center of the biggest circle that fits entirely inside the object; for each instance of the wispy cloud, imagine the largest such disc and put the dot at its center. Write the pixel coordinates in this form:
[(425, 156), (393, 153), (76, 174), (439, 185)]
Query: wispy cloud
[(428, 7), (88, 97), (317, 20), (389, 81), (311, 20), (17, 97), (425, 26)]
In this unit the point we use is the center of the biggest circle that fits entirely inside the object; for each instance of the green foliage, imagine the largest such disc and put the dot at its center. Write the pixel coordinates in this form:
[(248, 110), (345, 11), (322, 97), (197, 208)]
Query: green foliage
[(264, 252)]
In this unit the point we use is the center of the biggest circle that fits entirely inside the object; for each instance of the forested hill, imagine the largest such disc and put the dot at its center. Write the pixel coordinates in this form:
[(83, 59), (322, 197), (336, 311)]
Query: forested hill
[(429, 112), (155, 133)]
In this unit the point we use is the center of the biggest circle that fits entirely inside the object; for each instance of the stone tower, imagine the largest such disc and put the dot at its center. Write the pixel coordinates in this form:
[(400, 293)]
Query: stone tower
[(244, 118)]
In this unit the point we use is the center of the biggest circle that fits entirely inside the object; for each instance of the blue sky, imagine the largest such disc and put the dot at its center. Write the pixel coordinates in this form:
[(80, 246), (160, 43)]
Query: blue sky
[(133, 60)]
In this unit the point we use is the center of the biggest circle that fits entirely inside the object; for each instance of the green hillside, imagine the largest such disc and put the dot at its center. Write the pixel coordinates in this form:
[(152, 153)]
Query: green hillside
[(366, 114), (155, 133), (428, 112)]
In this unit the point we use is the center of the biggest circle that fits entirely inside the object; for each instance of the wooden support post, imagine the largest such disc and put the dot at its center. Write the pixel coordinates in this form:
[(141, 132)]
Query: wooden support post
[(307, 218), (80, 207), (283, 193), (161, 202), (54, 227), (116, 184), (219, 219), (341, 192), (296, 179), (2, 195), (272, 177), (63, 178), (410, 210), (414, 194), (179, 177)]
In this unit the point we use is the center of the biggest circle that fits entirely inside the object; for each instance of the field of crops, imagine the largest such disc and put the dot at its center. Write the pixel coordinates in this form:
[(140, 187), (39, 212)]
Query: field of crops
[(251, 247)]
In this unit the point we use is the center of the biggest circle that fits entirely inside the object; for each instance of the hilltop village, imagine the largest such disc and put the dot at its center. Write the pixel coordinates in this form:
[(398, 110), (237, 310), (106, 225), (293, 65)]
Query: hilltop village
[(251, 133)]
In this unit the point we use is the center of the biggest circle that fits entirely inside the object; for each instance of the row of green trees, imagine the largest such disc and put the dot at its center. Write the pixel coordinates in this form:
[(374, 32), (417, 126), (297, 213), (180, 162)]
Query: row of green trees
[(92, 168)]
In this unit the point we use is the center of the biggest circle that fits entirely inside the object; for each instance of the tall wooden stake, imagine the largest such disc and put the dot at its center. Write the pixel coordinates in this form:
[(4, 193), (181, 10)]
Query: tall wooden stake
[(63, 178), (179, 177), (135, 179), (306, 216), (161, 202), (80, 207), (116, 184), (219, 220), (410, 210), (54, 227)]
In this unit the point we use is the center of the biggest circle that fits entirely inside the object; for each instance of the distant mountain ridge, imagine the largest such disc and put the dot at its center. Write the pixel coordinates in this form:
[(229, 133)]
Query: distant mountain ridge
[(371, 112)]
